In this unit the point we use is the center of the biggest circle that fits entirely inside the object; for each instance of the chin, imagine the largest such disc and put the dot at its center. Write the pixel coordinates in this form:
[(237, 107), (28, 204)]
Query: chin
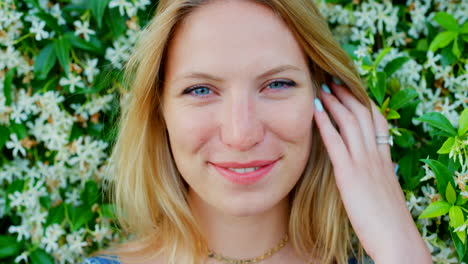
[(243, 206)]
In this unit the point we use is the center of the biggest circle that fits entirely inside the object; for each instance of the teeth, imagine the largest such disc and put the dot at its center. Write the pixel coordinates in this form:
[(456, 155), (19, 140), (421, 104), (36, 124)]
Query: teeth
[(244, 170)]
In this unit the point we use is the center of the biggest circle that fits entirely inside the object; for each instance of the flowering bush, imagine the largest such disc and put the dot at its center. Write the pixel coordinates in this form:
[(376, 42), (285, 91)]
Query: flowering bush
[(60, 74)]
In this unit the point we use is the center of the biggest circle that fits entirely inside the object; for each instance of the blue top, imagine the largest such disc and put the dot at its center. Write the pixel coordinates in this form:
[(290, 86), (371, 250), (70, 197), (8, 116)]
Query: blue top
[(115, 260)]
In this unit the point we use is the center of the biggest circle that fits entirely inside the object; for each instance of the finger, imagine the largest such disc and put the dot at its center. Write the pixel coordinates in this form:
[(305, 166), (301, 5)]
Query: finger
[(381, 128), (358, 109), (334, 144), (348, 126)]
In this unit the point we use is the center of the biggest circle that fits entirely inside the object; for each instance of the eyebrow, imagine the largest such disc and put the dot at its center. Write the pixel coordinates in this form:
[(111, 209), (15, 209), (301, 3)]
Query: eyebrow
[(202, 75)]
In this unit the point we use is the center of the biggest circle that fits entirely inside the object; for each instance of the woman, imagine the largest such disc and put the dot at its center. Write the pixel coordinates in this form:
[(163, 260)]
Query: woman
[(223, 158)]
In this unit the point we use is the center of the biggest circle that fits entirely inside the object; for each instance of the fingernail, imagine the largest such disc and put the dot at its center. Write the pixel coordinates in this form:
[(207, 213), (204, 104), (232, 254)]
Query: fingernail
[(318, 104), (336, 80), (396, 168), (325, 88)]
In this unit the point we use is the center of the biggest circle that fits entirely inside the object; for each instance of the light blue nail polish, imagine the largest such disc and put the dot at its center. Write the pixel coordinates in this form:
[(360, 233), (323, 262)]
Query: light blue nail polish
[(325, 88), (336, 80), (318, 104), (396, 168)]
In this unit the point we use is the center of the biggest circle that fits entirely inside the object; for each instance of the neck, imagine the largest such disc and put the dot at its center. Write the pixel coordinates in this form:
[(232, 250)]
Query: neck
[(241, 237)]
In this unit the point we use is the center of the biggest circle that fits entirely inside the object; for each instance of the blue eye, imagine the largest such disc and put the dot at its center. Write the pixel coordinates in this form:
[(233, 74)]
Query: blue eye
[(200, 91), (281, 84)]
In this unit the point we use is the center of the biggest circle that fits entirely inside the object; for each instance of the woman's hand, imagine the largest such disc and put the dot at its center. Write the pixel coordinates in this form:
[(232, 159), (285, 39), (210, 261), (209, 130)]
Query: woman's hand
[(365, 177)]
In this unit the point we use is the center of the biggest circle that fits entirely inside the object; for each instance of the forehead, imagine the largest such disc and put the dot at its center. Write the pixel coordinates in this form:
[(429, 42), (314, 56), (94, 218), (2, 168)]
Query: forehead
[(234, 35)]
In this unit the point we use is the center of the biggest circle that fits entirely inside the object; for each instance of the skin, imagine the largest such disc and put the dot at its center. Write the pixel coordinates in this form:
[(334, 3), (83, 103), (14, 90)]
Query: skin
[(238, 113)]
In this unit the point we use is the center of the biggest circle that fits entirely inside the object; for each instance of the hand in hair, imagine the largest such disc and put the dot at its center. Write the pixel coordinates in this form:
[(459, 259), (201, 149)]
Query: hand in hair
[(366, 180)]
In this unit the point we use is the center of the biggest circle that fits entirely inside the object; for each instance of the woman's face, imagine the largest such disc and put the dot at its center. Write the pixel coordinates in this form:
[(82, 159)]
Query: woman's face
[(237, 93)]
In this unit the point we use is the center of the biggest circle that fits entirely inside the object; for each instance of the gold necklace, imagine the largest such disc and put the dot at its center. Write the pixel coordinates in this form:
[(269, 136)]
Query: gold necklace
[(266, 255)]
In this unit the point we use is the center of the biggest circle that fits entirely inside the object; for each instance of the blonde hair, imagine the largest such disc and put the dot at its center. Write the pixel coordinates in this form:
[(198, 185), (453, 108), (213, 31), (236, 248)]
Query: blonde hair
[(147, 189)]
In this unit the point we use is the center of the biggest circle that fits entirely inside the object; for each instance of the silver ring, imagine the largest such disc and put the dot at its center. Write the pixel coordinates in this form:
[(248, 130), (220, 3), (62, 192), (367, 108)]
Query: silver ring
[(384, 139)]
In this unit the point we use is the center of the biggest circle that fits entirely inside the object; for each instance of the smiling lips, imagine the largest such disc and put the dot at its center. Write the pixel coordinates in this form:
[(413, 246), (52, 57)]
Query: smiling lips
[(244, 173)]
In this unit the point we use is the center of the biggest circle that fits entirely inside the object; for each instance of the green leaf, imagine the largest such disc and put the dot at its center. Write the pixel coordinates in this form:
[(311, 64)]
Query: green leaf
[(402, 98), (108, 210), (19, 129), (459, 245), (85, 215), (4, 135), (98, 7), (45, 201), (447, 146), (441, 40), (39, 256), (44, 61), (94, 45), (448, 59), (439, 121), (461, 200), (409, 168), (116, 22), (395, 64), (7, 83), (456, 216), (446, 21), (450, 194), (455, 49), (79, 216), (464, 28), (381, 56), (50, 21), (405, 139), (463, 123), (8, 246), (56, 215), (62, 50), (377, 85), (465, 38), (442, 174), (435, 209), (90, 193), (34, 3), (392, 114), (456, 220)]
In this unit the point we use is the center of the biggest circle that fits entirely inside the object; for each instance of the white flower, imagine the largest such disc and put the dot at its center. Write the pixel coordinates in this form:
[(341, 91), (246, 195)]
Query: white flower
[(56, 12), (71, 81), (73, 197), (443, 257), (460, 228), (38, 28), (120, 52), (121, 4), (22, 230), (15, 144), (75, 242), (416, 205), (141, 4), (101, 232), (361, 51), (52, 235), (396, 39), (362, 36), (18, 115), (82, 28), (431, 60), (90, 69), (22, 257)]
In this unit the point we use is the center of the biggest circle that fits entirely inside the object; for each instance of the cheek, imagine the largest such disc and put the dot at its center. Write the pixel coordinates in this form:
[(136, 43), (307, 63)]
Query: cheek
[(189, 129), (292, 122)]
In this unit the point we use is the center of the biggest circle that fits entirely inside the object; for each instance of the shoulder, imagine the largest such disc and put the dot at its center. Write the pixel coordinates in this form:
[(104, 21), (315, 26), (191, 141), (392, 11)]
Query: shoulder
[(102, 259)]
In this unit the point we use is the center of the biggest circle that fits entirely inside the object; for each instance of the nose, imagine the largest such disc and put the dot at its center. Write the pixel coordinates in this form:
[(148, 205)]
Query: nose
[(241, 128)]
